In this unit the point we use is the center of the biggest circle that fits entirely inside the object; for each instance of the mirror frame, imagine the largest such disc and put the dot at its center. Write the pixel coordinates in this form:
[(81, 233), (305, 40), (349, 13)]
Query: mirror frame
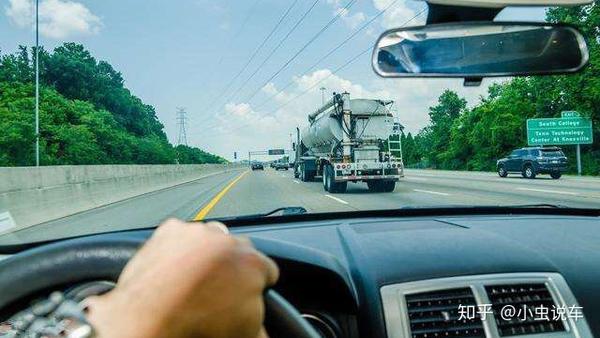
[(581, 41)]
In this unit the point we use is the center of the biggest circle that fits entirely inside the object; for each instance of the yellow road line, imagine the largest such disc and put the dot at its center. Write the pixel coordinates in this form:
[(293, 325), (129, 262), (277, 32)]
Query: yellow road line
[(208, 207)]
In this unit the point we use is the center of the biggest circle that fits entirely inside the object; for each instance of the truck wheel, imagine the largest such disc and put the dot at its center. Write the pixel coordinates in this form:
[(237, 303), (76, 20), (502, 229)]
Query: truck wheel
[(555, 175), (329, 182), (528, 171), (326, 179)]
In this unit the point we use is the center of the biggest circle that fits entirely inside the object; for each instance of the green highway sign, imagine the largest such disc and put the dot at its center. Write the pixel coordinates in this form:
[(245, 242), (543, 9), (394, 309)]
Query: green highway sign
[(276, 151), (569, 113), (559, 131)]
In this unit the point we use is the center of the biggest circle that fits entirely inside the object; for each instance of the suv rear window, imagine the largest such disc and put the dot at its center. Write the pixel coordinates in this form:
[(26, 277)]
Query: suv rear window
[(552, 153)]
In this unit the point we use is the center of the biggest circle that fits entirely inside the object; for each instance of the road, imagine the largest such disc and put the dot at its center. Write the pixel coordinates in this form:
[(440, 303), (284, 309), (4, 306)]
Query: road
[(249, 192)]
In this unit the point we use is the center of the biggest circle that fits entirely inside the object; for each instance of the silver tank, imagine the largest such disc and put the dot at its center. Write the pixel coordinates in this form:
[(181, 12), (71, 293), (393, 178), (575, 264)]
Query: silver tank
[(373, 121)]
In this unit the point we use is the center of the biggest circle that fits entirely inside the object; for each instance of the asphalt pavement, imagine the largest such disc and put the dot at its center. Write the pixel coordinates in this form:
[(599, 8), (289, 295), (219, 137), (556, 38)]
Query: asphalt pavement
[(261, 191), (250, 192)]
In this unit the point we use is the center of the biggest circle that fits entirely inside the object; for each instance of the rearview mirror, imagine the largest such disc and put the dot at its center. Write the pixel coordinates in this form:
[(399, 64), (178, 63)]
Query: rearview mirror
[(480, 49)]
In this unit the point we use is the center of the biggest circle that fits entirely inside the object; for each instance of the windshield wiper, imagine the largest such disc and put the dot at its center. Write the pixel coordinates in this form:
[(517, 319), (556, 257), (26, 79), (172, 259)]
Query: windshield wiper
[(285, 211), (539, 205)]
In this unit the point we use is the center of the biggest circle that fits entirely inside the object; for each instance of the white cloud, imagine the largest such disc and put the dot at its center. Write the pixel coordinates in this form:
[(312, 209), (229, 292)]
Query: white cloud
[(20, 12), (271, 90), (238, 110), (58, 18), (336, 83), (398, 15), (351, 20)]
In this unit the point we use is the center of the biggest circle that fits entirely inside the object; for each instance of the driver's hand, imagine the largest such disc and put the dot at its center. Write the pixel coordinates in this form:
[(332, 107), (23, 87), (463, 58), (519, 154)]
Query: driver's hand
[(188, 280)]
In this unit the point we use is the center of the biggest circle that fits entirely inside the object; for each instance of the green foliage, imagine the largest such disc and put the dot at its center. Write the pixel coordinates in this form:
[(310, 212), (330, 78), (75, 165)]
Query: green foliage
[(473, 139), (188, 155), (87, 116)]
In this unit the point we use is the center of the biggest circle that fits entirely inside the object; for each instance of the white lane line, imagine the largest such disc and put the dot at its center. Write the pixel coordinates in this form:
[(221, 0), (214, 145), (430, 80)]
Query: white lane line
[(550, 191), (296, 181), (432, 192), (415, 179), (336, 199)]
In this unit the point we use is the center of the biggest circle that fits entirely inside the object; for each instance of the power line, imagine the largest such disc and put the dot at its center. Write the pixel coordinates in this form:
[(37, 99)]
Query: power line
[(234, 37), (350, 37), (264, 41), (232, 95), (346, 64), (275, 49), (331, 22), (313, 38), (339, 13), (246, 19)]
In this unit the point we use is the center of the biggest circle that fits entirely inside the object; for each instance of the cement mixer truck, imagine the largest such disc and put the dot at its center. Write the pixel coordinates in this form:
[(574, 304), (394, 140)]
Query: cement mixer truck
[(350, 140)]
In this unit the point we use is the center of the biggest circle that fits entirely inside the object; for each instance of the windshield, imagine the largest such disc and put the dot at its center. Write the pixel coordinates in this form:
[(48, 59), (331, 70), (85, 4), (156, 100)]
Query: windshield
[(130, 112)]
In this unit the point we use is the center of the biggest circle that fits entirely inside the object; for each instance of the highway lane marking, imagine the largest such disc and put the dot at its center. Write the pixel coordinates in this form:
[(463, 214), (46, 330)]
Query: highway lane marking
[(336, 199), (550, 191), (208, 207), (415, 178), (432, 192)]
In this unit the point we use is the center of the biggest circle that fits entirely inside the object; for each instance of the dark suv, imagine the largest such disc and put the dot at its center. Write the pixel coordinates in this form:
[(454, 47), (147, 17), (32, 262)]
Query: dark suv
[(532, 161), (257, 166)]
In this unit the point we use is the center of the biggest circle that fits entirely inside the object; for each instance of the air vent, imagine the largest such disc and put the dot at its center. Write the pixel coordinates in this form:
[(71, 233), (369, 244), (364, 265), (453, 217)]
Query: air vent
[(525, 299), (436, 314)]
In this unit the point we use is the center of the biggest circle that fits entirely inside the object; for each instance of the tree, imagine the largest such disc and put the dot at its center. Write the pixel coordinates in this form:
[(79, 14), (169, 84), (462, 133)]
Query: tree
[(436, 137), (87, 116), (189, 155), (473, 139)]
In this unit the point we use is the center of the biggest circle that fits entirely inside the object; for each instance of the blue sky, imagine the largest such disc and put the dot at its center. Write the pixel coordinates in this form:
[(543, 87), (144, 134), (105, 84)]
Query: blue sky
[(185, 53)]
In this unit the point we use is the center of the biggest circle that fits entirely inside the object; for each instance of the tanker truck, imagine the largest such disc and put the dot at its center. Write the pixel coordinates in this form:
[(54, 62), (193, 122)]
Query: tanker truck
[(350, 140)]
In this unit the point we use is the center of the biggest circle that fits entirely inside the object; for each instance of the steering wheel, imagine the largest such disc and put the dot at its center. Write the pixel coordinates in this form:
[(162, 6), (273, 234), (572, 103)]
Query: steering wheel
[(102, 258)]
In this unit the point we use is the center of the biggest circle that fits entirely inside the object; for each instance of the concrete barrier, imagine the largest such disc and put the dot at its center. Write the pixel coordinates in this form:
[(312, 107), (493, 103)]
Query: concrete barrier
[(35, 195)]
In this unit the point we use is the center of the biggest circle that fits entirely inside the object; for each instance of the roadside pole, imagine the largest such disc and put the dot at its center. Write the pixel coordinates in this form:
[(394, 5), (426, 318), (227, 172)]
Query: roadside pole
[(578, 160), (37, 84)]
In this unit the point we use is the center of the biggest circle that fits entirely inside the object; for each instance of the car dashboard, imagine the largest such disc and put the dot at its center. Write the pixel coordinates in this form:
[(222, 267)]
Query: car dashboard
[(414, 276), (407, 277)]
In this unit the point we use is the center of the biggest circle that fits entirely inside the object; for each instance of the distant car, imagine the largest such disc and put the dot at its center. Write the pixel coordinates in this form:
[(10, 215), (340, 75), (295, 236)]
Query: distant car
[(257, 166), (272, 164), (533, 161), (281, 165)]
